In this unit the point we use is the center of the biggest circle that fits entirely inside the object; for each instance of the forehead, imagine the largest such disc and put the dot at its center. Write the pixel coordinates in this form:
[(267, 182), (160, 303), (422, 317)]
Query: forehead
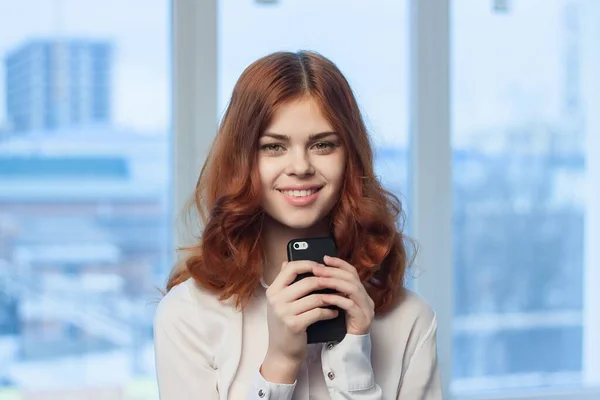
[(298, 118)]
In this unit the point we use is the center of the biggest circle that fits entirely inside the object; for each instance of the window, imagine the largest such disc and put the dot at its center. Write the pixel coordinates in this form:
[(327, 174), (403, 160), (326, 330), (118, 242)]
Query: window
[(373, 58), (85, 206), (526, 217)]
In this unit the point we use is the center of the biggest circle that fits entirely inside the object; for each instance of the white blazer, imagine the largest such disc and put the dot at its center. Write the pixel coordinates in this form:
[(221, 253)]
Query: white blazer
[(206, 349)]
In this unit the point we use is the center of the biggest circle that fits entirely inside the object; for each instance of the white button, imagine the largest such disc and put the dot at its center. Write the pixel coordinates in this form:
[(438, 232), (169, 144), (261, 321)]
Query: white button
[(331, 375), (261, 393), (330, 346)]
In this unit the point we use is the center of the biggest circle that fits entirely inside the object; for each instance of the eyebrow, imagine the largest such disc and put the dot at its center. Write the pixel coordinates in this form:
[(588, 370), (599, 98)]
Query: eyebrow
[(314, 136)]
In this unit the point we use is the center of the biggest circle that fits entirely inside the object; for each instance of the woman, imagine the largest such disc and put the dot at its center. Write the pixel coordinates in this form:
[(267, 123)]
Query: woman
[(292, 159)]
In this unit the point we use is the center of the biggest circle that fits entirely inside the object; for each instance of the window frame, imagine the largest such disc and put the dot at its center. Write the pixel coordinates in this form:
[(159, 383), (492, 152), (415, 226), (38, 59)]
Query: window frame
[(194, 93), (431, 165)]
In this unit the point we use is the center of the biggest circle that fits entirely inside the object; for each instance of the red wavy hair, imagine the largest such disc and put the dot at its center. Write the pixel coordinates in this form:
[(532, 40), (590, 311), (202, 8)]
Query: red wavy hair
[(366, 222)]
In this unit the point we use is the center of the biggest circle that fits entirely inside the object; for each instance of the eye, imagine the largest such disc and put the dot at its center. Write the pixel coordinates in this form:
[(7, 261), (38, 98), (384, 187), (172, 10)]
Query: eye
[(324, 147), (272, 147)]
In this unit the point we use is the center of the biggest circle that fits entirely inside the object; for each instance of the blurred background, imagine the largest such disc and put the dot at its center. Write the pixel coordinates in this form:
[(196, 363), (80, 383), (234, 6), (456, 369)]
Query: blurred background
[(94, 113)]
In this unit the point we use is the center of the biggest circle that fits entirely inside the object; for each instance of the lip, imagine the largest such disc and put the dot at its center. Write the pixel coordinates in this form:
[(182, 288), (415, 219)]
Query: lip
[(301, 201), (301, 187)]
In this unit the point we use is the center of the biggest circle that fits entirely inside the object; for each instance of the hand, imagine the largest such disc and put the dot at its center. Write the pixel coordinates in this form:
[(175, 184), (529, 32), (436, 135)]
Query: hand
[(343, 277), (290, 310)]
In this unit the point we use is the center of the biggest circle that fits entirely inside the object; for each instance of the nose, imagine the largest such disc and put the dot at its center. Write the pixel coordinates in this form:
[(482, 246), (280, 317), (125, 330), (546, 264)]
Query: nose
[(299, 164)]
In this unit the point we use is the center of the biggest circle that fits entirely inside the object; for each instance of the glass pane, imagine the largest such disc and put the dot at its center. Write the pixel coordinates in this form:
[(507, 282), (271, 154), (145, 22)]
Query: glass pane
[(373, 58), (84, 205), (526, 94)]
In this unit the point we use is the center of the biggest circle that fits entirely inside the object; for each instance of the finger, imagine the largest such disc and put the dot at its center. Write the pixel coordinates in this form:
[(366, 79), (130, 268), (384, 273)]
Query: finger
[(341, 264), (355, 291), (297, 290), (302, 321), (307, 303), (287, 275), (332, 272), (342, 302)]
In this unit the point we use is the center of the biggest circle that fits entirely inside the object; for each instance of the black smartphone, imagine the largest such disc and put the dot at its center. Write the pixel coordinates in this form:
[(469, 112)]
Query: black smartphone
[(314, 249)]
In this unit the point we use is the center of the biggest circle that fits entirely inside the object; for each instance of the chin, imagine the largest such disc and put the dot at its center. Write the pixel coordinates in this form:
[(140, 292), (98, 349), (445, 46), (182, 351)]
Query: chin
[(298, 223), (296, 220)]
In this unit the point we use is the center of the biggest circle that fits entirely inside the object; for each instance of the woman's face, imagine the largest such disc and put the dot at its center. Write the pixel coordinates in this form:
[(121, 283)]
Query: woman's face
[(301, 164)]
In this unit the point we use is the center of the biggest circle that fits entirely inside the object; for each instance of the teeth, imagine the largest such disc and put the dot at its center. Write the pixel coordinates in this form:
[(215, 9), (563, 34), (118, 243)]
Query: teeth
[(298, 193)]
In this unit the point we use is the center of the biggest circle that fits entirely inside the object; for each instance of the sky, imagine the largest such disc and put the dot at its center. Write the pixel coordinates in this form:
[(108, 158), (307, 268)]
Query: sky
[(140, 31), (506, 67)]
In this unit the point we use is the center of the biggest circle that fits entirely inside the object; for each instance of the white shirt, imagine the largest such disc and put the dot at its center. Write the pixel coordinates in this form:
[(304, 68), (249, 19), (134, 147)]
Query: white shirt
[(206, 349)]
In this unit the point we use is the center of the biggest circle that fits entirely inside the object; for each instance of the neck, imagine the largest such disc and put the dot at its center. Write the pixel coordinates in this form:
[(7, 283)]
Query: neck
[(275, 237)]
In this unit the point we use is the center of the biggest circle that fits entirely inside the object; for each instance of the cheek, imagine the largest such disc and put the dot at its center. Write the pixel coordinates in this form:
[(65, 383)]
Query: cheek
[(339, 179), (337, 170), (268, 172)]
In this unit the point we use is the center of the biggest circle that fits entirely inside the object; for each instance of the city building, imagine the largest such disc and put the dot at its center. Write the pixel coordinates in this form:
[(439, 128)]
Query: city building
[(52, 84)]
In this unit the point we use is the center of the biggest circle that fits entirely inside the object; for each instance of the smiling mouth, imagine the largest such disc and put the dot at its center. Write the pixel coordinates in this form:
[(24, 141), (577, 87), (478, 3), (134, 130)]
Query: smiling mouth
[(300, 193)]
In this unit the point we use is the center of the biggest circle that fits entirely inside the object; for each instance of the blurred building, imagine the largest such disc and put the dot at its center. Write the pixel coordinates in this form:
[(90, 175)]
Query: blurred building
[(51, 84), (84, 232)]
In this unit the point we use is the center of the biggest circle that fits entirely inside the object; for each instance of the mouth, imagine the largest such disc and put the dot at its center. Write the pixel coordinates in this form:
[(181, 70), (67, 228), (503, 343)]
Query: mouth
[(299, 193), (301, 197)]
